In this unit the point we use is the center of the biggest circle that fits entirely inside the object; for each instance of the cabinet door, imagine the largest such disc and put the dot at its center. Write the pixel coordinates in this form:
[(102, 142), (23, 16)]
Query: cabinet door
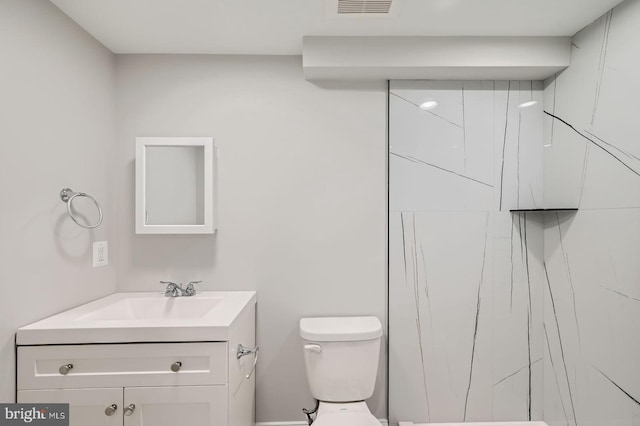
[(86, 406), (176, 406)]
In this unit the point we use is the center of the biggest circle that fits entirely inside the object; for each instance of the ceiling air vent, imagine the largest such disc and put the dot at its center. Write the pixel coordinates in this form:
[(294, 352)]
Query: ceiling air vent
[(358, 7)]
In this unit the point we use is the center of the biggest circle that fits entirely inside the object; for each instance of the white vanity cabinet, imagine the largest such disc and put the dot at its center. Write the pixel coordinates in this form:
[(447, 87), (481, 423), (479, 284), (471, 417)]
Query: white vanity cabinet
[(152, 384)]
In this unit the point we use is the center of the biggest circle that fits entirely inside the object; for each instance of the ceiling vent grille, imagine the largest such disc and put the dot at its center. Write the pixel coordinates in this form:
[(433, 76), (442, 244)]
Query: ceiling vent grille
[(350, 7)]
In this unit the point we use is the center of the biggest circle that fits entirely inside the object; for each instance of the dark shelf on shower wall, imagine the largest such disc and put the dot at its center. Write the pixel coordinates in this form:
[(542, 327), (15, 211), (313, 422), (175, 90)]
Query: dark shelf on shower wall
[(542, 210)]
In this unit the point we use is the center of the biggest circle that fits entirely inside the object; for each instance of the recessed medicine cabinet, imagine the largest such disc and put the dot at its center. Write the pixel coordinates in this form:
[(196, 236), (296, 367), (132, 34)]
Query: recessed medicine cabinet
[(175, 185)]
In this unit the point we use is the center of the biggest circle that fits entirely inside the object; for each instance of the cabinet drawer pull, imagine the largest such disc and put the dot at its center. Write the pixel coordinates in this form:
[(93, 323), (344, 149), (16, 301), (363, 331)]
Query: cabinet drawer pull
[(128, 410), (64, 369), (111, 410), (175, 367)]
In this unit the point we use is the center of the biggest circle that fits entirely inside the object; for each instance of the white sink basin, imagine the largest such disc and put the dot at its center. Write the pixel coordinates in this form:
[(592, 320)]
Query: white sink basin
[(147, 308), (142, 317)]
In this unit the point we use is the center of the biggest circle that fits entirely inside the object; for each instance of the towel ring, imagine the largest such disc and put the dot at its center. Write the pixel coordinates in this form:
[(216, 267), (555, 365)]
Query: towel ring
[(67, 195)]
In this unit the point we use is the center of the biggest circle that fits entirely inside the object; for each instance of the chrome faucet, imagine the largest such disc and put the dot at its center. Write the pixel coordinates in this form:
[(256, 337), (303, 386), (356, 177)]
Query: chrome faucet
[(176, 290)]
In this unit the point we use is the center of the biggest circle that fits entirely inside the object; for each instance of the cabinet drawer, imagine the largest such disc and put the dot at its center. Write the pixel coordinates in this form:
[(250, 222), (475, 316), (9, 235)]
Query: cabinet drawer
[(140, 364)]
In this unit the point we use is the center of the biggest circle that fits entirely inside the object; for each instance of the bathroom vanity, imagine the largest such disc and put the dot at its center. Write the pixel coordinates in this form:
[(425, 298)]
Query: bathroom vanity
[(144, 359)]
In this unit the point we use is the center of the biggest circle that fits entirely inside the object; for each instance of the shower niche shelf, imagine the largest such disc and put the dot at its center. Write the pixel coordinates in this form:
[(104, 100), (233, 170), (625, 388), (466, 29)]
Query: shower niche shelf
[(543, 210)]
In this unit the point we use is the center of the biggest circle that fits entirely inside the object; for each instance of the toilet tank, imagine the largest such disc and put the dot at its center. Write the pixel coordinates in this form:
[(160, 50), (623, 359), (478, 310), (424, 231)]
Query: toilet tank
[(341, 356)]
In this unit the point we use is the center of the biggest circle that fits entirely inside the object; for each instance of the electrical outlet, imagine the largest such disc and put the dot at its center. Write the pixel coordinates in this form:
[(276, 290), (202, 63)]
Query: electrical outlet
[(100, 253)]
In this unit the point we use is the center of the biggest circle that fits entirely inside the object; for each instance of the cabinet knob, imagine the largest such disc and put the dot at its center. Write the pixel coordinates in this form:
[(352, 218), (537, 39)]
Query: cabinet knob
[(64, 369), (110, 410), (175, 367), (128, 410)]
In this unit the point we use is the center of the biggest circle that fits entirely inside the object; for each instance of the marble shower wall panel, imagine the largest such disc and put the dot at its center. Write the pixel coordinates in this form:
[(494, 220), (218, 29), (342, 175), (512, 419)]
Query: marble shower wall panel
[(591, 110), (519, 139), (438, 190), (592, 318), (518, 317), (478, 127), (592, 296), (562, 178), (431, 147), (466, 279), (442, 314)]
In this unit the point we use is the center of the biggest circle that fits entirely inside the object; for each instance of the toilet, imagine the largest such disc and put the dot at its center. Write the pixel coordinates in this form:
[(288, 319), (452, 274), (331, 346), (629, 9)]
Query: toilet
[(341, 358)]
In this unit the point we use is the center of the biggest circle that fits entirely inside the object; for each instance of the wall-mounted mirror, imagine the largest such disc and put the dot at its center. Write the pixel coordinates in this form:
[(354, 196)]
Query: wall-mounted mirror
[(175, 185)]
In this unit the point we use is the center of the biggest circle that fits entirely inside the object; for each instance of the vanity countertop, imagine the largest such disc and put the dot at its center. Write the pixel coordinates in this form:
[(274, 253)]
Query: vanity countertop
[(142, 317)]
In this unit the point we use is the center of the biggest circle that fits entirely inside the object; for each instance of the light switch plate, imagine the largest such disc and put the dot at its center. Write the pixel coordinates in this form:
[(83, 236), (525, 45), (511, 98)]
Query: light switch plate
[(100, 253)]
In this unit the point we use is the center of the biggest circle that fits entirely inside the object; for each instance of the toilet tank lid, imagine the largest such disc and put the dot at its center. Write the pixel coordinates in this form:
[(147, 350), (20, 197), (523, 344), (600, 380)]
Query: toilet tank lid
[(340, 329)]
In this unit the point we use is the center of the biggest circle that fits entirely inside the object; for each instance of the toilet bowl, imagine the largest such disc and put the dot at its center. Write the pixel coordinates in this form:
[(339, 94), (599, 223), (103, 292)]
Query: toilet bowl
[(341, 359)]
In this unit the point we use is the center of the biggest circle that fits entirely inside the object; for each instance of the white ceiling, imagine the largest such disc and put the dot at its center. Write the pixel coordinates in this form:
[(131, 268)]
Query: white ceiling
[(276, 27)]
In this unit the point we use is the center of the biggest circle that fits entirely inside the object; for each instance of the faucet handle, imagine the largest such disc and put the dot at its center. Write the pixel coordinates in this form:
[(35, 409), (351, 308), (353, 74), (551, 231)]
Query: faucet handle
[(172, 288), (190, 290)]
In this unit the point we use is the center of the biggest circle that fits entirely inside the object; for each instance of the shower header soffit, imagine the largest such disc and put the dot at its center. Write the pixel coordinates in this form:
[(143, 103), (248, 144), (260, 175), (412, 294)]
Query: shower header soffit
[(435, 58)]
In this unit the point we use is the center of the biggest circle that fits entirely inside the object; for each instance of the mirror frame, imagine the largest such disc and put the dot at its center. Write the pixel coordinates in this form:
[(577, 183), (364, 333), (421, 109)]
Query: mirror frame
[(209, 150)]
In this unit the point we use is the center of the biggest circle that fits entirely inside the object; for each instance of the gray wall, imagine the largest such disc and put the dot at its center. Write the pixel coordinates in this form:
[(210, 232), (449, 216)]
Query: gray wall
[(301, 187), (57, 116), (302, 199)]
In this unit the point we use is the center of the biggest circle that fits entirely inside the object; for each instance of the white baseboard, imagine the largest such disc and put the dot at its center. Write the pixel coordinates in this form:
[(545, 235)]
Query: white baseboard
[(281, 424), (383, 422)]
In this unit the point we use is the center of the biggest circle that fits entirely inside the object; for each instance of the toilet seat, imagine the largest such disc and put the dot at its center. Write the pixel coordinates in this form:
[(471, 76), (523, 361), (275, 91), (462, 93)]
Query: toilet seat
[(346, 419)]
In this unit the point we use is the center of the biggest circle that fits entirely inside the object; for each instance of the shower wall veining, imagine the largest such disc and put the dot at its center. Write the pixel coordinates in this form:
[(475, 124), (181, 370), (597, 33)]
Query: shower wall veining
[(517, 316), (592, 272), (466, 275)]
